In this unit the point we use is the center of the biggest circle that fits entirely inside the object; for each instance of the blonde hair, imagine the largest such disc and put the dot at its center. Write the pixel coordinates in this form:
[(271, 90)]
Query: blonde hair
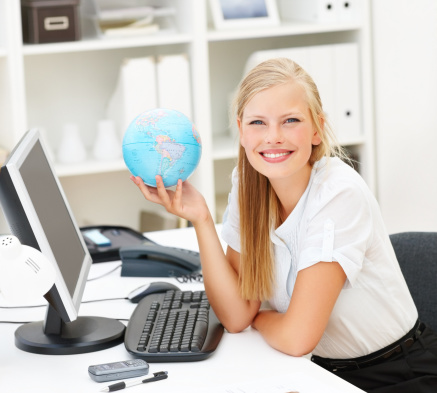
[(260, 209)]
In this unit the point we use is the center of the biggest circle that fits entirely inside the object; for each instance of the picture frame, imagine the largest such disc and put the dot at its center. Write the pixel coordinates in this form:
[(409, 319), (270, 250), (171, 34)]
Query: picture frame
[(234, 14)]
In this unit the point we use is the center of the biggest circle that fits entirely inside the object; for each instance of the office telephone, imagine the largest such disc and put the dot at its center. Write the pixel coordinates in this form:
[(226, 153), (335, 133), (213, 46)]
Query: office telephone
[(141, 257), (104, 241), (153, 260)]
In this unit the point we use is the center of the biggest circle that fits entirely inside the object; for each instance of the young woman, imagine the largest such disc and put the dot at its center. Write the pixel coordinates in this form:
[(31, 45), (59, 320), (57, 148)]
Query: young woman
[(305, 233)]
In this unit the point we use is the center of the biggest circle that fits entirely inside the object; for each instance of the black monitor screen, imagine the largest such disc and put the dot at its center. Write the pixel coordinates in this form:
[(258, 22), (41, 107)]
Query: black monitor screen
[(53, 214)]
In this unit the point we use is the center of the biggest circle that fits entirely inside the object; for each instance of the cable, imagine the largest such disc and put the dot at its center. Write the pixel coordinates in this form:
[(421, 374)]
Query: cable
[(17, 322), (105, 274), (86, 301), (14, 307), (23, 322), (104, 300)]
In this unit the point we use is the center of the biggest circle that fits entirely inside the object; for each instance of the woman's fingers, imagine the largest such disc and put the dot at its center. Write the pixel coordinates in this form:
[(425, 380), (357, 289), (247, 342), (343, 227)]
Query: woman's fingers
[(171, 200), (162, 192), (150, 193), (178, 193)]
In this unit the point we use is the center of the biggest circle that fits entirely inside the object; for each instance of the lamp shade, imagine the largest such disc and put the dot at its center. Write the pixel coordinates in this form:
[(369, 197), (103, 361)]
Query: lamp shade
[(25, 273)]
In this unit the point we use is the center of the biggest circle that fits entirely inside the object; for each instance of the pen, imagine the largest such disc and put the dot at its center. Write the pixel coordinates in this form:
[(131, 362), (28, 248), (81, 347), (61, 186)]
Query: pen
[(126, 384)]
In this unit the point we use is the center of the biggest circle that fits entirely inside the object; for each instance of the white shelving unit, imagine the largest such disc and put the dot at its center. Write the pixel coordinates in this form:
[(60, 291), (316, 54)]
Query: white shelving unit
[(48, 85)]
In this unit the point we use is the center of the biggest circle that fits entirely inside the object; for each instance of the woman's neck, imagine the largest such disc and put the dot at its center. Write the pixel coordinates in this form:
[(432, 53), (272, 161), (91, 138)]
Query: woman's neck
[(290, 190)]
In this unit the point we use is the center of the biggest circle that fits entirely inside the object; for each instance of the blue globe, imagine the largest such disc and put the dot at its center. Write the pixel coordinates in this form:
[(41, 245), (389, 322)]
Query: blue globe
[(162, 142)]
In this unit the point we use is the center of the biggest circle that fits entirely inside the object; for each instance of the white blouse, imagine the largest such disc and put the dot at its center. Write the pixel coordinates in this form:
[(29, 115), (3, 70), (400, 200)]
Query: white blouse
[(338, 219)]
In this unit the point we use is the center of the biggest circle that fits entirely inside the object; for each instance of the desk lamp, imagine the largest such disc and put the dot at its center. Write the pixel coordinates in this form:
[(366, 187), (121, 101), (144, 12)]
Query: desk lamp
[(25, 273)]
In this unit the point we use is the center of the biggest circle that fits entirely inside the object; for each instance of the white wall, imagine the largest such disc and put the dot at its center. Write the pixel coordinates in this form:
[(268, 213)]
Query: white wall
[(405, 72)]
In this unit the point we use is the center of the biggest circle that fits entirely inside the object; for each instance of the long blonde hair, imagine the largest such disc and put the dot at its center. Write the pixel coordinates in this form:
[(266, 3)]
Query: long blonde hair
[(260, 209)]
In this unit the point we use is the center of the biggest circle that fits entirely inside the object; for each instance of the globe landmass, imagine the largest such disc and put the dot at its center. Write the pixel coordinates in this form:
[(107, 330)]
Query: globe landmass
[(162, 142)]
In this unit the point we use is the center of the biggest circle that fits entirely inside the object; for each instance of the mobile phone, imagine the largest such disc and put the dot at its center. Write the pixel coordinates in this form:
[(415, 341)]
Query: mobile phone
[(97, 238), (118, 370)]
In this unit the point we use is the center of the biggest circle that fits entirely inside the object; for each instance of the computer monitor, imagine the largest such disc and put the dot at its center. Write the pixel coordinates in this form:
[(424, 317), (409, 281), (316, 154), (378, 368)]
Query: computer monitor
[(38, 214)]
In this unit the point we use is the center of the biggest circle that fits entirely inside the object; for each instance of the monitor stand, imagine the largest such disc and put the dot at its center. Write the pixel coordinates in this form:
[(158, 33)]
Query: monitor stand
[(55, 337)]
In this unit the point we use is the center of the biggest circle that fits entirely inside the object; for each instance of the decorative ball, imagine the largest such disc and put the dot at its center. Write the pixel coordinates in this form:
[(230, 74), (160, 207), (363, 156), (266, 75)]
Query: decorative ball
[(162, 142)]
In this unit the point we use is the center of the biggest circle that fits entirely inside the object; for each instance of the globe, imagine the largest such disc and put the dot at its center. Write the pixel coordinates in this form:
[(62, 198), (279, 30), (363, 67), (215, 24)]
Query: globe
[(162, 142)]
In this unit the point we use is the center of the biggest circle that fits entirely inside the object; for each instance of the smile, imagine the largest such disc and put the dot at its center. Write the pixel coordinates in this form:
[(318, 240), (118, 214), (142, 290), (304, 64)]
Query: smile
[(276, 155)]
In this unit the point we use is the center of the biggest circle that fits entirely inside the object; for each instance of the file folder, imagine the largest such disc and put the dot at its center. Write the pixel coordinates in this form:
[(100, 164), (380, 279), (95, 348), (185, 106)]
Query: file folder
[(347, 92), (174, 83), (299, 55), (321, 69), (135, 91), (310, 10), (347, 10)]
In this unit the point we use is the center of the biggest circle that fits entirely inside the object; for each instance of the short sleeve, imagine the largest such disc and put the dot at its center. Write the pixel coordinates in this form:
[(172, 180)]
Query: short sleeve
[(231, 219), (338, 228)]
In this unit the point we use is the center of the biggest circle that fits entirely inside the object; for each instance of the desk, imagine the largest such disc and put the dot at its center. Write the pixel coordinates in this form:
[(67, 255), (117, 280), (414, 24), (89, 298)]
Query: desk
[(239, 359)]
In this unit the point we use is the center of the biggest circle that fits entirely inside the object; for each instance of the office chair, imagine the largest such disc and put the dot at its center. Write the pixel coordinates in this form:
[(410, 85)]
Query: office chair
[(417, 256)]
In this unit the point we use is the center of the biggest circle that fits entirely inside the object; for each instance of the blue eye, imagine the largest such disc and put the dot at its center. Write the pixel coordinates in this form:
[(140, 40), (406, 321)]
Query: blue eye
[(292, 120), (256, 122)]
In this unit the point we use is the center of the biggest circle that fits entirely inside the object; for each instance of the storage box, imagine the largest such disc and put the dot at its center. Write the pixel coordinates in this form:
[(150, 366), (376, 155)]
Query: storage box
[(50, 20)]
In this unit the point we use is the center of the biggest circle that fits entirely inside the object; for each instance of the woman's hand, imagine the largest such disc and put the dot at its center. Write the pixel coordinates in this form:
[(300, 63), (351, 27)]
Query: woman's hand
[(185, 202)]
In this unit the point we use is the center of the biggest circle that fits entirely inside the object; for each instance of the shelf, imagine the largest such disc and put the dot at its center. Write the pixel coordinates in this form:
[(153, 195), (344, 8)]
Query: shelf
[(89, 167), (225, 147), (40, 93), (285, 29), (92, 44)]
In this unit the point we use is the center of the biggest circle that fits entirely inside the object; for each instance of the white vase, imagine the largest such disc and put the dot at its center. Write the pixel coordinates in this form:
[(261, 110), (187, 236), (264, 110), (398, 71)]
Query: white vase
[(71, 150), (107, 145)]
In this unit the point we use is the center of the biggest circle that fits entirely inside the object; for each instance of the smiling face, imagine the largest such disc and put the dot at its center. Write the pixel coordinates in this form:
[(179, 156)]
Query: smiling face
[(277, 133)]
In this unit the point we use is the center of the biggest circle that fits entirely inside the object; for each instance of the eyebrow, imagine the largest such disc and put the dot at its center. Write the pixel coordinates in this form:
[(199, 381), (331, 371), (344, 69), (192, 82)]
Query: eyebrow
[(288, 114)]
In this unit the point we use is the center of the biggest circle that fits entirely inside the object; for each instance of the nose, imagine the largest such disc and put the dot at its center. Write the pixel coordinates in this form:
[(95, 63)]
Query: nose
[(274, 134)]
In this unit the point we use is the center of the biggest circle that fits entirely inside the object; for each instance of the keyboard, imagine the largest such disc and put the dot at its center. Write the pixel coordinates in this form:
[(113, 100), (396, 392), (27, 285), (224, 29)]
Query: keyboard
[(175, 326)]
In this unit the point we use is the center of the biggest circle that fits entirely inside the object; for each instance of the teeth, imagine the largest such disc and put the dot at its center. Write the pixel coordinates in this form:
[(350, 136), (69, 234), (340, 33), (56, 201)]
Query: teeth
[(275, 155)]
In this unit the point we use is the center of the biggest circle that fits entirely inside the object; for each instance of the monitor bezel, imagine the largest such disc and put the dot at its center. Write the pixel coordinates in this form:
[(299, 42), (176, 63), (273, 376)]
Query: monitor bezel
[(70, 303)]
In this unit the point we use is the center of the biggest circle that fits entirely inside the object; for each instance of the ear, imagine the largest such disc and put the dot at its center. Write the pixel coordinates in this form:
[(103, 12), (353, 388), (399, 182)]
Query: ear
[(239, 125), (240, 129), (317, 140)]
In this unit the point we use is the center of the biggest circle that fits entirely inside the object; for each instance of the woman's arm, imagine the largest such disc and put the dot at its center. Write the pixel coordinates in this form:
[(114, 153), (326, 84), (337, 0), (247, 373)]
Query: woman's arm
[(221, 281), (297, 331), (220, 271)]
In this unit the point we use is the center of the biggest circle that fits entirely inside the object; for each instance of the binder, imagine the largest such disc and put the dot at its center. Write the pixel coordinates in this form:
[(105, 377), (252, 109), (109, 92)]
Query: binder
[(319, 11), (174, 83), (135, 91), (347, 10), (299, 55), (258, 57), (321, 69), (347, 92)]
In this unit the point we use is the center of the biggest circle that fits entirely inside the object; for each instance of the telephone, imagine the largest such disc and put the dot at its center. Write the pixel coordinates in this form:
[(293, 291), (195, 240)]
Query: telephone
[(153, 260)]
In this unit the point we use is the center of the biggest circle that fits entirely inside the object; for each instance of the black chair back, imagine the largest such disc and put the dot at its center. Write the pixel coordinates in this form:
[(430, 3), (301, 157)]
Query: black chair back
[(417, 256)]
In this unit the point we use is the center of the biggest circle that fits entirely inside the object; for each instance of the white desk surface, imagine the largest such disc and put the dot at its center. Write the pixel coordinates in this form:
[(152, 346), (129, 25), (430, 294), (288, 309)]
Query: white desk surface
[(240, 359)]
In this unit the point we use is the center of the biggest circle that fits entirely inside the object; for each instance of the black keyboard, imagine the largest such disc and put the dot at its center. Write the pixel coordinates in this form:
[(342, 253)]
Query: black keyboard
[(176, 326)]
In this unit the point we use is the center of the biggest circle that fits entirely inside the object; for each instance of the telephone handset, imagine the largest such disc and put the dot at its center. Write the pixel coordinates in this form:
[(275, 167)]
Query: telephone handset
[(153, 260)]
